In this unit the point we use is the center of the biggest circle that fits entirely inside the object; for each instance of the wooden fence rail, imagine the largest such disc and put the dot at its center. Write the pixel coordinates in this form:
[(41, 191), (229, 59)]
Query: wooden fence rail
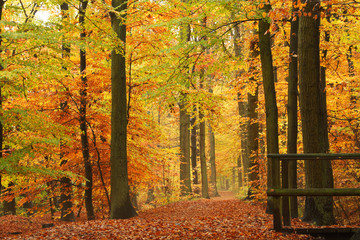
[(277, 192)]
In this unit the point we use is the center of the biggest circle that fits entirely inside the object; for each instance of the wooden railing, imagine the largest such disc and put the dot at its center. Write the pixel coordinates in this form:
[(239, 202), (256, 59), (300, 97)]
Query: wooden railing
[(277, 192)]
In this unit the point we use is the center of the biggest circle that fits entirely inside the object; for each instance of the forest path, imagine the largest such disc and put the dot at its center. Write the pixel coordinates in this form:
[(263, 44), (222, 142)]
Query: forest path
[(224, 195), (218, 218)]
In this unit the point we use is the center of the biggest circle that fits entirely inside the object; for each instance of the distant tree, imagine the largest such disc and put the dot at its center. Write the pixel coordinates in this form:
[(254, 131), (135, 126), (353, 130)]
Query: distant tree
[(185, 170), (253, 126)]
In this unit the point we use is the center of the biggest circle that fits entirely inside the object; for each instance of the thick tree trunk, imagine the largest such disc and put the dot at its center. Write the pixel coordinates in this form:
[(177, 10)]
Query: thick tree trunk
[(121, 206), (317, 209), (272, 140), (83, 125), (10, 206), (292, 108)]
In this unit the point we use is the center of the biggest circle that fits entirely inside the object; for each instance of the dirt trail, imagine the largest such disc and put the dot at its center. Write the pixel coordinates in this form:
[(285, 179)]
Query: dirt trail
[(225, 195)]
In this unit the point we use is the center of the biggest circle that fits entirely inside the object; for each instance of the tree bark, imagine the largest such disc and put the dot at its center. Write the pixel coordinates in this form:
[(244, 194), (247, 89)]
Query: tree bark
[(202, 128), (204, 176), (292, 107), (253, 126), (272, 141), (185, 170), (194, 128), (121, 206), (212, 161), (317, 173), (10, 206), (82, 118), (185, 177), (253, 140), (67, 213), (2, 3), (243, 159)]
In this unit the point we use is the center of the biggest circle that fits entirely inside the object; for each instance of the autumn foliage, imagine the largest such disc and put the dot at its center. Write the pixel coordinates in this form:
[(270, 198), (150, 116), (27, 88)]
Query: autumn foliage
[(40, 92)]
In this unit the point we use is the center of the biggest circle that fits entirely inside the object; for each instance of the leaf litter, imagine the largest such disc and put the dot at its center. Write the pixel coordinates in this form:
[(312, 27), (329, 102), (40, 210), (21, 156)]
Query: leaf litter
[(217, 218)]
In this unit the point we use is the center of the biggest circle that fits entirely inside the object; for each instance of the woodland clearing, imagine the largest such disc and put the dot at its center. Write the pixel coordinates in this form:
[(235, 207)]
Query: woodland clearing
[(218, 218)]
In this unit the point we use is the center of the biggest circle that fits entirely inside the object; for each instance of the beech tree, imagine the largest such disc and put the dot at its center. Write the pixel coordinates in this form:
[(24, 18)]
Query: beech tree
[(121, 206), (317, 209), (185, 170), (67, 213), (292, 106), (272, 141), (83, 121)]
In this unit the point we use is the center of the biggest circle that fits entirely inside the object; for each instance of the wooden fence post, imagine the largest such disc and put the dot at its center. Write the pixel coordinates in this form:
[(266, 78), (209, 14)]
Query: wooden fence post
[(276, 199)]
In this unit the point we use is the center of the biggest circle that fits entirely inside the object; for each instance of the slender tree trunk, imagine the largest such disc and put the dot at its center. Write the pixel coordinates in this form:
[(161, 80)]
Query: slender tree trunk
[(121, 206), (185, 169), (185, 177), (212, 161), (202, 127), (204, 176), (292, 108), (253, 126), (2, 3), (253, 140), (194, 128), (243, 159), (272, 141), (67, 213), (317, 174), (83, 125)]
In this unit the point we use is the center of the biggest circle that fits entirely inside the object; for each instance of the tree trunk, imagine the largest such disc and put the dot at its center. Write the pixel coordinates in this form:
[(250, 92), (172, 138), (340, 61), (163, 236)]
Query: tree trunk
[(253, 126), (272, 141), (202, 127), (194, 128), (212, 161), (2, 3), (185, 170), (10, 206), (292, 108), (185, 177), (83, 125), (317, 173), (121, 206), (67, 213), (253, 143), (204, 176), (243, 159)]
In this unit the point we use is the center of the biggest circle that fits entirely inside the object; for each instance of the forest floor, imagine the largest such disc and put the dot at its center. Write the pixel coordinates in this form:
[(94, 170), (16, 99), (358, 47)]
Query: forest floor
[(218, 218)]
